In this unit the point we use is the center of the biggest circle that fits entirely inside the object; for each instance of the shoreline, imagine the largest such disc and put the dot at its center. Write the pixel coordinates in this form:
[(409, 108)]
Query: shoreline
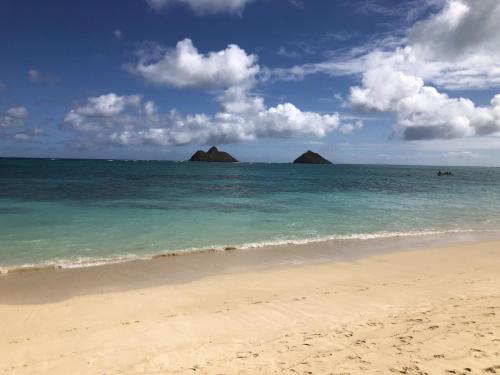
[(89, 262), (427, 308), (28, 285)]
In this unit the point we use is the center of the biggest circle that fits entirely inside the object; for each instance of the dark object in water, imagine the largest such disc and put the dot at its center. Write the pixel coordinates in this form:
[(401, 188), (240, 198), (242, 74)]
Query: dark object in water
[(213, 155), (445, 173), (310, 157)]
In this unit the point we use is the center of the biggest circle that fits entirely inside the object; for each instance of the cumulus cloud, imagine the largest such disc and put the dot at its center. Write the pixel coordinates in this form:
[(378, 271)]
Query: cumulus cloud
[(14, 117), (453, 48), (202, 7), (461, 45), (13, 125), (184, 66), (243, 115), (422, 111), (129, 120), (106, 112), (461, 28)]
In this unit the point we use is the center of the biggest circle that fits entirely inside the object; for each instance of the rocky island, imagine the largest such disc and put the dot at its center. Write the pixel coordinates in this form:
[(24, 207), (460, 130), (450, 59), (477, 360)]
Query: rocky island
[(213, 155), (310, 157)]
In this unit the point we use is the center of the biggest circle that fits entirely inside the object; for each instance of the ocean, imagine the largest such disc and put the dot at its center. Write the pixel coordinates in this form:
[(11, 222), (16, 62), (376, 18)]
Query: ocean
[(74, 213)]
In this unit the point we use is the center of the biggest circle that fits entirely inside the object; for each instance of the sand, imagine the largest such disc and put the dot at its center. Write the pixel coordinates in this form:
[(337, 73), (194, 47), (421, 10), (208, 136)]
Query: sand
[(422, 311)]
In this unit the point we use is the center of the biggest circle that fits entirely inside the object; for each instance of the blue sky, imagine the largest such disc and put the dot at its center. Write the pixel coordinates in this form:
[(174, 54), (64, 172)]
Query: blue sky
[(366, 81)]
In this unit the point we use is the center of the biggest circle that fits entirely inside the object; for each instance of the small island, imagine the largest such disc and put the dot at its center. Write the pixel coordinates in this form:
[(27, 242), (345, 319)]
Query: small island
[(213, 155), (310, 157)]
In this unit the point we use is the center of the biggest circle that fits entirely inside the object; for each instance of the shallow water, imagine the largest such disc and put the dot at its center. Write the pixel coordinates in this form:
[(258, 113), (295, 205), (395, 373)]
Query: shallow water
[(73, 212)]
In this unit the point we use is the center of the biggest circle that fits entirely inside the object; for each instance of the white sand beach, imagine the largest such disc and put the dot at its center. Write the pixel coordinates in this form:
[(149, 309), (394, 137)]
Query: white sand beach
[(422, 311)]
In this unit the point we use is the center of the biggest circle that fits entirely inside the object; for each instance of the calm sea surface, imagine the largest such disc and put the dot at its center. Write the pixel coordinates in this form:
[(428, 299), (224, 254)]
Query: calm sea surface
[(73, 212)]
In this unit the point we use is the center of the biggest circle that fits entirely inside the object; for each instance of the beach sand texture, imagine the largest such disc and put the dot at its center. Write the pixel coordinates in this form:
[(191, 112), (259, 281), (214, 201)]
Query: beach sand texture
[(431, 311)]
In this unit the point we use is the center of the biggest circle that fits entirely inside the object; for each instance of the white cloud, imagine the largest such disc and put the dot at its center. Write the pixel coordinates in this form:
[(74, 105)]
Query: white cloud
[(460, 43), (28, 135), (422, 111), (242, 115), (128, 120), (107, 112), (117, 33), (202, 7), (14, 117), (107, 105), (351, 128), (183, 66), (350, 61), (13, 125), (462, 28), (454, 48)]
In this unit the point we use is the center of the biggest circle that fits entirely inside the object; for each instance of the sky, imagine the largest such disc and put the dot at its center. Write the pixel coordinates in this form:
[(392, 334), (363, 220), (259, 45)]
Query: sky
[(359, 81)]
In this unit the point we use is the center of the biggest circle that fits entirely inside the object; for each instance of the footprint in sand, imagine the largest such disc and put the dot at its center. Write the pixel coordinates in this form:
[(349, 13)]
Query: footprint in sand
[(478, 353), (493, 369), (405, 339), (466, 371)]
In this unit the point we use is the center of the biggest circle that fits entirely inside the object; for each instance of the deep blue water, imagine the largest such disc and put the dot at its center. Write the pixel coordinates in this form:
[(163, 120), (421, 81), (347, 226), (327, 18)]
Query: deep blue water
[(71, 211)]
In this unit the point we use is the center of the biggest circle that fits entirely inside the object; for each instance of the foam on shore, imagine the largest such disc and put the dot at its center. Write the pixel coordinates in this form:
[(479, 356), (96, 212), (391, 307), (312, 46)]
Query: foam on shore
[(83, 262)]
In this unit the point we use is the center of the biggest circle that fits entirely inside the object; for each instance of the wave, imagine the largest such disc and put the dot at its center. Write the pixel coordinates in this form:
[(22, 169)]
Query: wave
[(356, 236), (83, 262)]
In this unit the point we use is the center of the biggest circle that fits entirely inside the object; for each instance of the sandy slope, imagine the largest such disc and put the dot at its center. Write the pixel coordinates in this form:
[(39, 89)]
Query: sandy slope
[(434, 311)]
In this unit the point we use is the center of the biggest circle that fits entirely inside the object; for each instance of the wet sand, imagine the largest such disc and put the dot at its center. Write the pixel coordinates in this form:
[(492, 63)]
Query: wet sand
[(419, 306), (49, 284)]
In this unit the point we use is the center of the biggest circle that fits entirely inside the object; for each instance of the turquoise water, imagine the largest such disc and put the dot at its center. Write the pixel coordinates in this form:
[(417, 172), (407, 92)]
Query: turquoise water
[(73, 212)]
